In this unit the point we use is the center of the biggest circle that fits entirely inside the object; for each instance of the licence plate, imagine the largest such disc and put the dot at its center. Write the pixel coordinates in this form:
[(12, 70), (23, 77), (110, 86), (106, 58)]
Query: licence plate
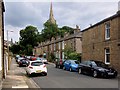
[(110, 73), (38, 71)]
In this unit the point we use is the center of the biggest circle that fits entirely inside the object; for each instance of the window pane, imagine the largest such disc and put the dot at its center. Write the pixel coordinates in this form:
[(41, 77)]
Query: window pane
[(107, 30), (107, 50), (108, 58), (108, 33), (107, 55)]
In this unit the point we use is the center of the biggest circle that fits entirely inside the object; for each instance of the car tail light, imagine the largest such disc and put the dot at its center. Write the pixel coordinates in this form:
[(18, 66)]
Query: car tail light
[(30, 67), (44, 66)]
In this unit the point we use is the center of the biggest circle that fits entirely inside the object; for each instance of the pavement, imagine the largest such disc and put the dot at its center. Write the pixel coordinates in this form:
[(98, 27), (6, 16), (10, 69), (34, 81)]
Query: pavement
[(16, 78)]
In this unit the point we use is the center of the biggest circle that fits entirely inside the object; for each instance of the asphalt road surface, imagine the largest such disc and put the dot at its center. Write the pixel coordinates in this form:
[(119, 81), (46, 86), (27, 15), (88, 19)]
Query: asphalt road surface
[(58, 78)]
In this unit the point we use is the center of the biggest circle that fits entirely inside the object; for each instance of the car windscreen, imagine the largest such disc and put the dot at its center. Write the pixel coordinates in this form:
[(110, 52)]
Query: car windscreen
[(21, 58), (36, 63), (74, 62), (100, 64), (43, 59)]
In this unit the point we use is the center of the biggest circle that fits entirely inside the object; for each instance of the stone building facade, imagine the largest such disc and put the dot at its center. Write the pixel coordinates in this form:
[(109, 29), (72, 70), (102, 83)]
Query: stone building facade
[(102, 41), (58, 45)]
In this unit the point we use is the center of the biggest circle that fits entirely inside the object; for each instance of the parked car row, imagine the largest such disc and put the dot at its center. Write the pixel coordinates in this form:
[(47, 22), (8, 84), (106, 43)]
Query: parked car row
[(33, 65), (89, 67)]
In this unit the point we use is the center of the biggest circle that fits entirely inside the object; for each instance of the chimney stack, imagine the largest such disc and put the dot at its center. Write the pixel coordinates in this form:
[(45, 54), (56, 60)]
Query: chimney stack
[(118, 12), (119, 6)]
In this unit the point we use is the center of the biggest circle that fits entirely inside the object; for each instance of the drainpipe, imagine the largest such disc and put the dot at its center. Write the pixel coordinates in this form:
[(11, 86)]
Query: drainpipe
[(3, 10)]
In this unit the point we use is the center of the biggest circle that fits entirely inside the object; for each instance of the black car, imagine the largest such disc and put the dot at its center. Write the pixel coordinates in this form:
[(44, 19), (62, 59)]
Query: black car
[(23, 62), (59, 63), (96, 68)]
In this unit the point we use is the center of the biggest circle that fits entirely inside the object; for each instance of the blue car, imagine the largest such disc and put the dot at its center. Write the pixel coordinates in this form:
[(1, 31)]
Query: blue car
[(71, 65)]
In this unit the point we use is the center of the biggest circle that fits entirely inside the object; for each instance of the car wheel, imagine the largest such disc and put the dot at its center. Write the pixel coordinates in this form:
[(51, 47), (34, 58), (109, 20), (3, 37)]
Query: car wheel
[(55, 66), (95, 74), (28, 74), (59, 67), (64, 68), (79, 71), (45, 74), (70, 69)]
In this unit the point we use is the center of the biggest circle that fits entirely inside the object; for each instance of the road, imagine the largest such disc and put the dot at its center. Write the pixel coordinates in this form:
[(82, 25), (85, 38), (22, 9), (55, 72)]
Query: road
[(58, 78)]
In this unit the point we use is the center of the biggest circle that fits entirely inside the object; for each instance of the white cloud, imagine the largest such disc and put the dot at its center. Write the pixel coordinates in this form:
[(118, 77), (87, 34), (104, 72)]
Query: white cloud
[(62, 0), (20, 14)]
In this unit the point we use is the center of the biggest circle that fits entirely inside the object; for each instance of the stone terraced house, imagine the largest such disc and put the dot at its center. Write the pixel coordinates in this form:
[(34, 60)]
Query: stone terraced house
[(102, 41)]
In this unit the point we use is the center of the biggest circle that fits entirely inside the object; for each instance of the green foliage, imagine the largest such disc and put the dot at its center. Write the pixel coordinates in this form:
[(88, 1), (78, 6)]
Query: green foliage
[(15, 49), (28, 39), (51, 57), (29, 35), (70, 54), (50, 30), (67, 29), (75, 56)]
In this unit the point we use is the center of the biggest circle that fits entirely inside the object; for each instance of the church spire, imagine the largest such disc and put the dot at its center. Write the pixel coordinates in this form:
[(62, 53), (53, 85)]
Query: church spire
[(51, 17)]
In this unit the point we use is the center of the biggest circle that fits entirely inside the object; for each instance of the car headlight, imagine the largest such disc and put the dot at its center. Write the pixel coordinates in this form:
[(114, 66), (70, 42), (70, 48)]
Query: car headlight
[(101, 70)]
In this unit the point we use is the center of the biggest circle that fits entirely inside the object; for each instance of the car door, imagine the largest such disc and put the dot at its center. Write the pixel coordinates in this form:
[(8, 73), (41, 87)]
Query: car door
[(83, 66), (67, 64), (89, 67)]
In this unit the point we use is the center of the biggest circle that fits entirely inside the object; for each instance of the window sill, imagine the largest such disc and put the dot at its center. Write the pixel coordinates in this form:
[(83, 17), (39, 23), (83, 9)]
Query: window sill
[(107, 39), (107, 63)]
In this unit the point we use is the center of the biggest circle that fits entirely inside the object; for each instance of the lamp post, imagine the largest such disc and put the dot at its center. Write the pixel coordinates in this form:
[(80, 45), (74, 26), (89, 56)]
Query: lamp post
[(8, 41), (8, 49)]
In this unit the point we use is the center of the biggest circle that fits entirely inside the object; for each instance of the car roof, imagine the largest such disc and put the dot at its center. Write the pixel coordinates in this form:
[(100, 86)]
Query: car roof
[(91, 61), (72, 60), (35, 61)]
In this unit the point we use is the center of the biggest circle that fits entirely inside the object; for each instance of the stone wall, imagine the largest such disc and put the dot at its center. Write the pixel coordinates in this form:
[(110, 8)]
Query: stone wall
[(94, 43)]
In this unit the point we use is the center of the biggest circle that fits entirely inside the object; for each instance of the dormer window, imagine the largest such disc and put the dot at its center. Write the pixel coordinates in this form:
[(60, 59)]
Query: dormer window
[(107, 31)]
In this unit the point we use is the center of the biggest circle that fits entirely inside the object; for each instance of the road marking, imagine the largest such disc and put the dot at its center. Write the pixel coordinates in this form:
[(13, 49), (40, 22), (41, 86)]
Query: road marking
[(20, 86)]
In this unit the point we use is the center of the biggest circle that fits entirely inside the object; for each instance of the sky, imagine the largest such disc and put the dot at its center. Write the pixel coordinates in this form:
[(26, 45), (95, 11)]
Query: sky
[(70, 13)]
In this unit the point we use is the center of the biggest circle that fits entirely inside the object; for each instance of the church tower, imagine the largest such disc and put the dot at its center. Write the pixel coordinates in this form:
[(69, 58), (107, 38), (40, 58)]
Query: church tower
[(51, 17)]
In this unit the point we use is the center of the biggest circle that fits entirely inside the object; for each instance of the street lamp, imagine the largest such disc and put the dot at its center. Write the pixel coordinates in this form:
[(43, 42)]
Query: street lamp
[(8, 48), (8, 40)]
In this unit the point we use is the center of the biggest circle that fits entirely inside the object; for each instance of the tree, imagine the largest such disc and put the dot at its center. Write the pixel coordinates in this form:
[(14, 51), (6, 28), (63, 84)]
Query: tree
[(15, 48), (28, 39), (70, 54), (50, 30), (67, 29), (29, 35)]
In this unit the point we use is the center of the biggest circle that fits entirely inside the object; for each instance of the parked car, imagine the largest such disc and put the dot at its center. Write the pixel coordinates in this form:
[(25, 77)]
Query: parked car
[(59, 63), (32, 58), (36, 67), (44, 60), (96, 68), (17, 56), (20, 58), (71, 65), (23, 62)]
